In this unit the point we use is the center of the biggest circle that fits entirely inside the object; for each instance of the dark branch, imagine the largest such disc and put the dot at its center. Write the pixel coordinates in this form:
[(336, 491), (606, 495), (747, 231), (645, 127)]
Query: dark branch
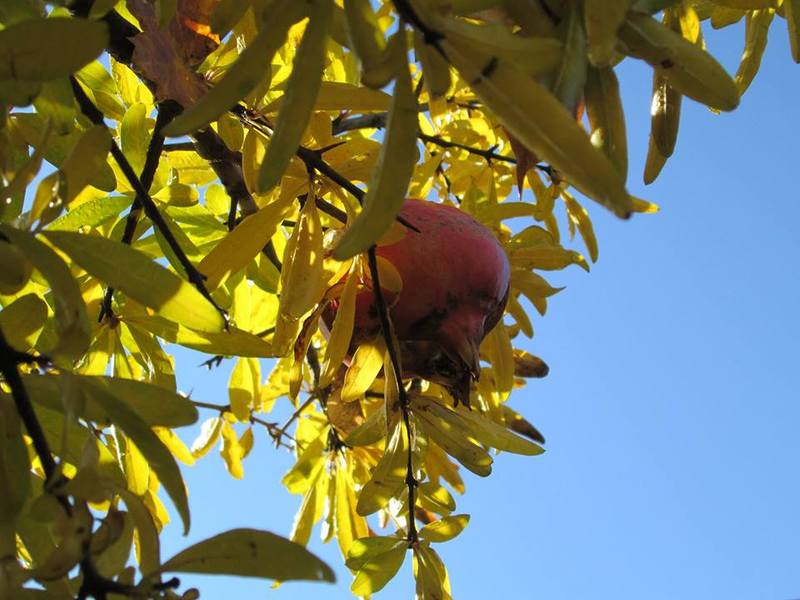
[(378, 121), (391, 345), (151, 210), (489, 154), (9, 359), (166, 112)]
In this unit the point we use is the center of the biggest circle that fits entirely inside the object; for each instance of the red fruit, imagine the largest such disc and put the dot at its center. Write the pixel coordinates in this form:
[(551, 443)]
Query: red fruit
[(455, 286)]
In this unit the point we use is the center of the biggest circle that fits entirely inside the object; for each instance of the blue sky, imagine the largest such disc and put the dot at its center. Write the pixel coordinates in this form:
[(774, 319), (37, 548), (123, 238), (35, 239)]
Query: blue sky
[(671, 411)]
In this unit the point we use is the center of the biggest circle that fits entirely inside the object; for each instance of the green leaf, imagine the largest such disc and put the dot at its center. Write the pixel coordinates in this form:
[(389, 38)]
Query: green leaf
[(22, 321), (140, 278), (86, 158), (233, 342), (444, 529), (91, 213), (73, 323), (155, 405), (250, 553), (14, 466), (59, 147), (43, 49), (153, 449), (56, 102)]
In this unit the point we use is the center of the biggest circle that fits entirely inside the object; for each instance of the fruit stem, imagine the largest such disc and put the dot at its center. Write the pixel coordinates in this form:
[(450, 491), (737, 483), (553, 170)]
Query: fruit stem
[(394, 356)]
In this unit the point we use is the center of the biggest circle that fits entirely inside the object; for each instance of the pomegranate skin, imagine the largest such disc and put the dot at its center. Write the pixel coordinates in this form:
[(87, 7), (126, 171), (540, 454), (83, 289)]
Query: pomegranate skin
[(455, 286)]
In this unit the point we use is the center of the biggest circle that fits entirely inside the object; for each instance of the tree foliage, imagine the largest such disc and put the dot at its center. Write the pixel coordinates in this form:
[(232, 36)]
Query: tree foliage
[(301, 128)]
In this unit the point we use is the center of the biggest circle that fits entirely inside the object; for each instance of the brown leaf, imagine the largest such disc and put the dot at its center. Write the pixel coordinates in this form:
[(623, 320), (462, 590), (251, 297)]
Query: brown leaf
[(168, 57), (525, 159)]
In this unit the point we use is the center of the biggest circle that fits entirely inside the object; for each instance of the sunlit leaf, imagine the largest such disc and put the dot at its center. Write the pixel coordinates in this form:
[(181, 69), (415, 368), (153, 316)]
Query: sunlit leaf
[(250, 553)]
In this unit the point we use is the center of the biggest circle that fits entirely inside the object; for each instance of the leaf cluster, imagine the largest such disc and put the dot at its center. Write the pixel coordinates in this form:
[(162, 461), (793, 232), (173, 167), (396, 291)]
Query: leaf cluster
[(302, 127)]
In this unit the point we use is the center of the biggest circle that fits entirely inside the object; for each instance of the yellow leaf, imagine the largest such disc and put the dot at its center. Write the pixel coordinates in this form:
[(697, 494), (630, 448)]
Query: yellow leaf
[(756, 31), (210, 432), (451, 432), (158, 456), (22, 321), (688, 68), (302, 474), (603, 18), (375, 572), (364, 368), (489, 433), (175, 445), (432, 580), (231, 451), (388, 477), (580, 217), (241, 245), (244, 387), (342, 330), (444, 529), (137, 470), (301, 93), (536, 117), (497, 347), (392, 174), (606, 117), (301, 275), (233, 342), (338, 95), (348, 524), (244, 75)]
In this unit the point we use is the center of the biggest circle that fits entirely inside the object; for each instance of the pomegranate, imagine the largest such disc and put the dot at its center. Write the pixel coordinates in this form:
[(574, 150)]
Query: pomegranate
[(455, 286)]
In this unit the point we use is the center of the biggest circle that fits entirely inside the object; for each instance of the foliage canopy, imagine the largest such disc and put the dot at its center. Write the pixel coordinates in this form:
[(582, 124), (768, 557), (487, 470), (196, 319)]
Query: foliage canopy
[(302, 127)]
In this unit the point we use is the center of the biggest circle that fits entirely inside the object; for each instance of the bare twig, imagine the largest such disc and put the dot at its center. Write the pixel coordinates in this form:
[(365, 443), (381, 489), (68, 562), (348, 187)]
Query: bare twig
[(394, 356), (166, 112), (151, 210), (272, 428)]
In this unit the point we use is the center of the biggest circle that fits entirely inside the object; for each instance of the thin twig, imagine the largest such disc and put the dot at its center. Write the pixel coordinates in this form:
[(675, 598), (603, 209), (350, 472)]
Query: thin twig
[(378, 121), (489, 154), (394, 357), (166, 112), (151, 210), (272, 428), (283, 428)]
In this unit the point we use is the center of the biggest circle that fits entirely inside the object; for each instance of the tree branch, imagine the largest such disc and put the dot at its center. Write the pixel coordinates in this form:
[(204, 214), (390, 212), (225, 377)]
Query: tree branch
[(9, 359), (151, 210), (394, 355), (378, 121), (166, 112)]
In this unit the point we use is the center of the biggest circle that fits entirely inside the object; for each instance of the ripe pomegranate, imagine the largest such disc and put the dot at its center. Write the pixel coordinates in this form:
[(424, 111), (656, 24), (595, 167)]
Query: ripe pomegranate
[(455, 286)]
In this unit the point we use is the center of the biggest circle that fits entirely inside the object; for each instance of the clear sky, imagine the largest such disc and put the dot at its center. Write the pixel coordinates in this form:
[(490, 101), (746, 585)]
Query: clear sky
[(672, 408)]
